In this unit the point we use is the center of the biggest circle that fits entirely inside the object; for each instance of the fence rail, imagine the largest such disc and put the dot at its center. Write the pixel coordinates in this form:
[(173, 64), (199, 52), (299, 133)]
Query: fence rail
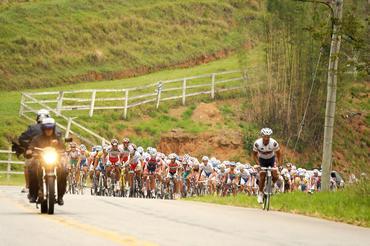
[(10, 161)]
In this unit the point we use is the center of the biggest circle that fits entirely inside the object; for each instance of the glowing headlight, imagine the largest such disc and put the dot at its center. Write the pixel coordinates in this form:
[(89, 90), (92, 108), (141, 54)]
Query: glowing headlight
[(50, 156)]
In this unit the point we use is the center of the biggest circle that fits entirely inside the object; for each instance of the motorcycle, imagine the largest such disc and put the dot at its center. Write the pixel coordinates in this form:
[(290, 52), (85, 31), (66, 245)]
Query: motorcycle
[(49, 159)]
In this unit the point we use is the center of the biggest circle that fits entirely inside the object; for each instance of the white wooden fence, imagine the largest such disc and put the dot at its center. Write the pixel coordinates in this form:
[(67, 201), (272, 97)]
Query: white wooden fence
[(9, 161), (101, 99), (91, 100)]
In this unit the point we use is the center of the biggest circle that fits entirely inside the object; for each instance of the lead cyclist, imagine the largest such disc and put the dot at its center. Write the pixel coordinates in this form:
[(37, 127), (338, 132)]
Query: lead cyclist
[(264, 151)]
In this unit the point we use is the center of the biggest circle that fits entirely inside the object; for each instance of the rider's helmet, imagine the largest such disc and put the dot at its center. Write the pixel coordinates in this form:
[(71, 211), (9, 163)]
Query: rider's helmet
[(98, 148), (83, 147), (205, 158), (152, 152), (247, 165), (48, 123), (73, 145), (114, 142), (140, 150), (126, 141), (131, 149), (42, 114), (222, 167), (266, 132), (172, 156), (232, 164), (186, 157), (315, 171)]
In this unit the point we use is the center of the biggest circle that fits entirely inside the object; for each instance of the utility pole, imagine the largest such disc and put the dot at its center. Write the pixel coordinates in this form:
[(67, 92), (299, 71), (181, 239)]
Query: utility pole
[(337, 8)]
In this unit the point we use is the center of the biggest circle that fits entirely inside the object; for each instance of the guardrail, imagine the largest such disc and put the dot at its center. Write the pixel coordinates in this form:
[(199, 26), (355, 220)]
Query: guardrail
[(102, 99), (9, 163)]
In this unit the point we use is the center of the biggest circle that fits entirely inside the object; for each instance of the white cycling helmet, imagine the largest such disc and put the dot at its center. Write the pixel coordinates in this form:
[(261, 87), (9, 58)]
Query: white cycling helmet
[(140, 150), (266, 132), (152, 152), (172, 156), (205, 158)]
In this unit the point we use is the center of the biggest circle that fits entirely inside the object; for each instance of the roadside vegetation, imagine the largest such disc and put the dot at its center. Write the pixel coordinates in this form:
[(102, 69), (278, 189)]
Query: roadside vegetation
[(48, 43), (350, 205)]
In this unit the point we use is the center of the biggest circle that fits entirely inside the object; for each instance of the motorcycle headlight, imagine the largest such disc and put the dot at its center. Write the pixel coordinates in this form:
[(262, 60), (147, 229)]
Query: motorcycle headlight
[(50, 156)]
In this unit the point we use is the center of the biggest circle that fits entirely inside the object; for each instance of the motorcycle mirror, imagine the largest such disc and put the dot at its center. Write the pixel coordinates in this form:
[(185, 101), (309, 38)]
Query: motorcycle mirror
[(68, 140)]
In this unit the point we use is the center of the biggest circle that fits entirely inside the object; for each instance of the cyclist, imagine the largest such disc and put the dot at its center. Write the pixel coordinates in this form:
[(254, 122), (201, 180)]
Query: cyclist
[(73, 156), (231, 179), (113, 160), (264, 151), (151, 170), (186, 166), (124, 148), (244, 178), (173, 167), (82, 163), (206, 171), (220, 179), (134, 167)]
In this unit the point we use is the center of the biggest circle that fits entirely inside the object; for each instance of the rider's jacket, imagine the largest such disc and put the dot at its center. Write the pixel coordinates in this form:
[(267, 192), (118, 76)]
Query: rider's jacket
[(125, 152), (114, 155), (43, 141), (152, 163), (208, 169), (32, 131), (266, 151), (173, 166)]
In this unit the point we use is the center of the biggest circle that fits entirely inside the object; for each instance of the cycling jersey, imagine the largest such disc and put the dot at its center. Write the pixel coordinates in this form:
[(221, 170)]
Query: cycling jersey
[(207, 169), (125, 152), (113, 156), (152, 164), (172, 167), (266, 151)]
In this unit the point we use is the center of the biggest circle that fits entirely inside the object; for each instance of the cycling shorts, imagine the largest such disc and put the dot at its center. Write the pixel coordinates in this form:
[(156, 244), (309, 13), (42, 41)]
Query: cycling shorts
[(267, 162)]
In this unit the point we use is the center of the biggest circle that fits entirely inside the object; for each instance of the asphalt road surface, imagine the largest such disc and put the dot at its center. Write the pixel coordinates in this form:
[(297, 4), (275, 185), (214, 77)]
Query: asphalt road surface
[(88, 220)]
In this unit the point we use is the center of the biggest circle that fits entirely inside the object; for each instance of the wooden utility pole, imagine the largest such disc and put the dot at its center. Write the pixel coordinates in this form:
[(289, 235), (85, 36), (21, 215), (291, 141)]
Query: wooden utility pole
[(337, 8)]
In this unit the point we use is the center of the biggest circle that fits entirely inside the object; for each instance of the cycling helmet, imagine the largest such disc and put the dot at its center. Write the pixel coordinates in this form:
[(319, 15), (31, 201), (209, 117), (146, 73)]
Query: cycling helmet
[(114, 142), (172, 156), (205, 158), (48, 123), (140, 150), (98, 148), (131, 149), (42, 114), (126, 140), (266, 132), (222, 167), (232, 164), (315, 171), (83, 147), (73, 145), (148, 149), (152, 152)]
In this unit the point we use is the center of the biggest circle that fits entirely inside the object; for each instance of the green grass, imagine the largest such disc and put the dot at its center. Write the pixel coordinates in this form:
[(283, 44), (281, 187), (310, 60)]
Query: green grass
[(15, 180), (351, 205), (50, 42)]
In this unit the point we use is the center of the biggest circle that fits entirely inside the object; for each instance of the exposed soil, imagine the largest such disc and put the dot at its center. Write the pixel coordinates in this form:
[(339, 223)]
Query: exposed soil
[(207, 113), (222, 144), (177, 112)]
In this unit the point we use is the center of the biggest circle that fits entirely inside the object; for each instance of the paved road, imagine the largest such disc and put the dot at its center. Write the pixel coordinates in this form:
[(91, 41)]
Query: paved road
[(88, 220)]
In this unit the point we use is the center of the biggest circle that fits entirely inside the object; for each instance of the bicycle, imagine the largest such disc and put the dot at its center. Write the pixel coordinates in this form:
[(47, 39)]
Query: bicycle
[(267, 192)]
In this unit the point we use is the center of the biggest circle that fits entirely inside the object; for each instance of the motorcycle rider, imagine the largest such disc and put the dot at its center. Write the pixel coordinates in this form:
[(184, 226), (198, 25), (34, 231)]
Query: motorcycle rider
[(48, 137)]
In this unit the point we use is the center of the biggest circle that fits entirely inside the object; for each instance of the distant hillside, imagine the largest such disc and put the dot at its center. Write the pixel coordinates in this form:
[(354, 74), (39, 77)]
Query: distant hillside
[(45, 43)]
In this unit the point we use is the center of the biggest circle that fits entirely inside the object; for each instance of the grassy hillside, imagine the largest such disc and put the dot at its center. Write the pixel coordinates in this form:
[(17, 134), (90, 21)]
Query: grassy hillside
[(45, 43)]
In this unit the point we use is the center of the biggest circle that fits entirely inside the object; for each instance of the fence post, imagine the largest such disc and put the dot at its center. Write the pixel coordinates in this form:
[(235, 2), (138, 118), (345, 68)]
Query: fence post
[(183, 91), (92, 104), (159, 90), (68, 127), (21, 108), (213, 86), (9, 168), (126, 104), (60, 102)]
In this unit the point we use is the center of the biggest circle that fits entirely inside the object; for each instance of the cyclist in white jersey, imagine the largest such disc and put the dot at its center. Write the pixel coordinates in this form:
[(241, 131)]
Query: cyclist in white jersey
[(264, 151)]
